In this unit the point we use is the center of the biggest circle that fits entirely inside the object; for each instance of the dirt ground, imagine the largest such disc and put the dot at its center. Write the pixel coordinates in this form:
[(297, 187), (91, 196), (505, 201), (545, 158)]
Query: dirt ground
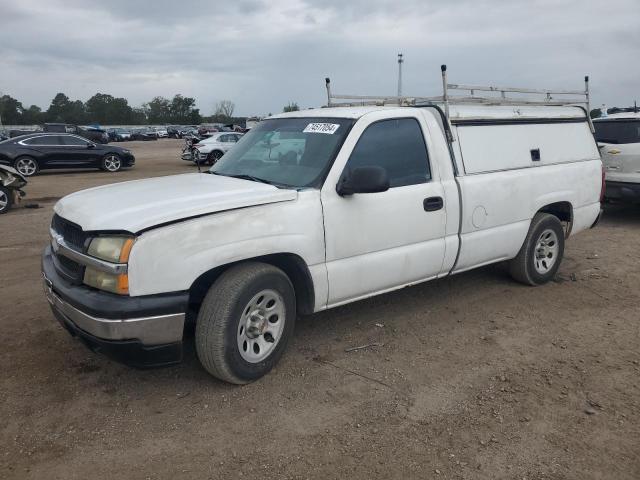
[(477, 377)]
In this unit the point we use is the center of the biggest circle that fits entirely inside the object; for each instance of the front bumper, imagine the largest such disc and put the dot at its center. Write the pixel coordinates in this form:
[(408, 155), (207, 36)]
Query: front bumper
[(139, 331), (624, 191), (129, 160)]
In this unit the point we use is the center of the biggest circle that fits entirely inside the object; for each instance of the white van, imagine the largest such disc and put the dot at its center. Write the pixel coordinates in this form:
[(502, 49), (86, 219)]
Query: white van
[(371, 199), (618, 137)]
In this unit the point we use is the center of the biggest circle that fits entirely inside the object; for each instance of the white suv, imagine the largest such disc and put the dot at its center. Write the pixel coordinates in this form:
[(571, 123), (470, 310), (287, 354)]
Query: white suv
[(618, 137), (211, 149)]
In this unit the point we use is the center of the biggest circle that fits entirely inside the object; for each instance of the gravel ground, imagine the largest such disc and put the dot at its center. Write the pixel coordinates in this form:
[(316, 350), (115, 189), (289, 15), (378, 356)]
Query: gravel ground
[(475, 377)]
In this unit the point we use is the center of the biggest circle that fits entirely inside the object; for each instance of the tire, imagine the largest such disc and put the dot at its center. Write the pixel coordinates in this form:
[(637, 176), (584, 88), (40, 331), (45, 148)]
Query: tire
[(214, 157), (227, 323), (541, 254), (27, 166), (111, 163), (6, 200)]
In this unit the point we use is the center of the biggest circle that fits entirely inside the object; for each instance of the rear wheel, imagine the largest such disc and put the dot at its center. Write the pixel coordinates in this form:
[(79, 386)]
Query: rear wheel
[(6, 200), (214, 157), (111, 163), (245, 322), (539, 258), (27, 166)]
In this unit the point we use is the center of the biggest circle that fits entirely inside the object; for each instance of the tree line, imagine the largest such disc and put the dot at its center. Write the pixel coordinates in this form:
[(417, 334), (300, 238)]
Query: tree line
[(102, 108)]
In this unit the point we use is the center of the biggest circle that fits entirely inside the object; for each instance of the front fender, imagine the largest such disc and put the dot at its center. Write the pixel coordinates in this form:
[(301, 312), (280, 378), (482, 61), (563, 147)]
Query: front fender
[(171, 258)]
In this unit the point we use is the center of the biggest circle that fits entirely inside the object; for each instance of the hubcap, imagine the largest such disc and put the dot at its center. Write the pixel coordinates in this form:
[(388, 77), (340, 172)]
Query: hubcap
[(546, 252), (260, 327), (4, 201), (26, 166), (112, 163)]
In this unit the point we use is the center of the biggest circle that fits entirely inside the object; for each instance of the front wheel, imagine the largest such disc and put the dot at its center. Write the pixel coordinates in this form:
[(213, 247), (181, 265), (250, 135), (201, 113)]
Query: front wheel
[(111, 163), (6, 200), (245, 322), (539, 258)]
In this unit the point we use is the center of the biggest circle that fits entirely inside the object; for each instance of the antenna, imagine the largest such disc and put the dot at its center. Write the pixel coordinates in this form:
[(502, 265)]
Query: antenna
[(400, 62)]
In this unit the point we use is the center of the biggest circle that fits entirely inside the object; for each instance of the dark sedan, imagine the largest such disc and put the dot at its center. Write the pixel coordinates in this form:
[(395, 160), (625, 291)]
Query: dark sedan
[(31, 153), (143, 134)]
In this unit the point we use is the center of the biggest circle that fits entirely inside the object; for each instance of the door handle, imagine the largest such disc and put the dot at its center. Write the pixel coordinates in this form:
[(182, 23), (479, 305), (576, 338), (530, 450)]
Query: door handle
[(432, 204)]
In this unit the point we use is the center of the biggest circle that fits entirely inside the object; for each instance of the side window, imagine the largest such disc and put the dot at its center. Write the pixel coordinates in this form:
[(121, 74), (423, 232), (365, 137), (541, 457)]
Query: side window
[(44, 140), (396, 145), (73, 141)]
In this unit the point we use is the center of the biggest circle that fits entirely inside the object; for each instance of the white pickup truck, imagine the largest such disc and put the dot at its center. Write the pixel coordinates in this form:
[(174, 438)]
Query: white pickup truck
[(370, 200)]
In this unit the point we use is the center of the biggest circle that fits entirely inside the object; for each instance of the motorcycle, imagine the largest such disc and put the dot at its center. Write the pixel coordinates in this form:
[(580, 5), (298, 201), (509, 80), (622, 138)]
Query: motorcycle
[(189, 146)]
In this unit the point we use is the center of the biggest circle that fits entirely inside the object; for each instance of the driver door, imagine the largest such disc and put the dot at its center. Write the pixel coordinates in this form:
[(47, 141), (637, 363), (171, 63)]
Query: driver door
[(381, 241)]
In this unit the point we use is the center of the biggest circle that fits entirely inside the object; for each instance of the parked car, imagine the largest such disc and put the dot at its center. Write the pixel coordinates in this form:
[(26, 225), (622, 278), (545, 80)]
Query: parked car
[(212, 148), (173, 131), (618, 137), (161, 132), (119, 134), (11, 185), (379, 199), (29, 154), (144, 134)]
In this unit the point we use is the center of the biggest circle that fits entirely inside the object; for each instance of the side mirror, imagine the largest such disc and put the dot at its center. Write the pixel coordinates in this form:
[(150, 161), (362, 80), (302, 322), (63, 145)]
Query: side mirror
[(363, 180), (91, 145)]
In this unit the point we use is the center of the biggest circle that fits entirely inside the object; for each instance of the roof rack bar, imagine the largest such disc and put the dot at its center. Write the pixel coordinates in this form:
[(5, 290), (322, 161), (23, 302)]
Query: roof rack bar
[(514, 90), (549, 97)]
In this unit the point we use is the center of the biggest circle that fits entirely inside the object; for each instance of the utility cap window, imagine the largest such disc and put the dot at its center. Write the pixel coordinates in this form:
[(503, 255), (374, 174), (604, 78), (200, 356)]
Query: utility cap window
[(396, 145)]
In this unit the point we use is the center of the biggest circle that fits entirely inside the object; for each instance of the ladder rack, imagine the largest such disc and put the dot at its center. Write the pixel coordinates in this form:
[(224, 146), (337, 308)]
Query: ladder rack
[(544, 97)]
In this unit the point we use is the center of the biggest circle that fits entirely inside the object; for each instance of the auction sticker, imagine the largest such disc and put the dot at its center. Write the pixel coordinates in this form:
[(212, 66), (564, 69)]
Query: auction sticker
[(329, 128)]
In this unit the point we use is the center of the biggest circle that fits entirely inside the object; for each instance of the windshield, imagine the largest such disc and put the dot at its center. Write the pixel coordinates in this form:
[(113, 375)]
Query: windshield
[(290, 152)]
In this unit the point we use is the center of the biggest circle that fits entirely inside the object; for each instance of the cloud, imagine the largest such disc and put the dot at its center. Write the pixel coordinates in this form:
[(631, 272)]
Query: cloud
[(263, 54)]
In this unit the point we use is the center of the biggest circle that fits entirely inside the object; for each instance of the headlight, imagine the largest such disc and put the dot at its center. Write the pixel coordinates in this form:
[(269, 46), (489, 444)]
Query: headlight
[(114, 249)]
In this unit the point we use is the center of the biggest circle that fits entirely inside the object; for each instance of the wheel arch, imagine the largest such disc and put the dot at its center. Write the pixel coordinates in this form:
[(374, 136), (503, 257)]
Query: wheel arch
[(563, 210), (291, 264)]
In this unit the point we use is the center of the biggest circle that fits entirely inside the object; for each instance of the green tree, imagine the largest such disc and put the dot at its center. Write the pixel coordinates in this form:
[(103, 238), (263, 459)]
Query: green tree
[(183, 110), (60, 108), (32, 115), (291, 107), (158, 110), (11, 110), (104, 108)]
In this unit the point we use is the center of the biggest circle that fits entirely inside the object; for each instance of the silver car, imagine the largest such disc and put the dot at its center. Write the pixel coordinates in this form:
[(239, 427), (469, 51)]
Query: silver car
[(211, 149)]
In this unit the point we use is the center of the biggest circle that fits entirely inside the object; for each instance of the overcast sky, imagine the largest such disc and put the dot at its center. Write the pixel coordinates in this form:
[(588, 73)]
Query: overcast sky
[(263, 54)]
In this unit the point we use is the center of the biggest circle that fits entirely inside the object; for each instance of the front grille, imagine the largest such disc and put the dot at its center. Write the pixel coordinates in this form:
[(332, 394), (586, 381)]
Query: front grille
[(72, 233), (75, 238)]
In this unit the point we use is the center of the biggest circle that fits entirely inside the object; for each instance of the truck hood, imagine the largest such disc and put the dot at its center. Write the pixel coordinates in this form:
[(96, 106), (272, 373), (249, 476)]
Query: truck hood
[(140, 204)]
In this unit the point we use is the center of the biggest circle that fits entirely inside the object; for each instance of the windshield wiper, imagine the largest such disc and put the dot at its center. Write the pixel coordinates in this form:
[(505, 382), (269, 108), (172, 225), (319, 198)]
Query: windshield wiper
[(244, 176)]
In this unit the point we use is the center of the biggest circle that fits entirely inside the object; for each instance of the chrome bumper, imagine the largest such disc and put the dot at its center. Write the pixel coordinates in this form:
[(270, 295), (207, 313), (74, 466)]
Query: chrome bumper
[(157, 330)]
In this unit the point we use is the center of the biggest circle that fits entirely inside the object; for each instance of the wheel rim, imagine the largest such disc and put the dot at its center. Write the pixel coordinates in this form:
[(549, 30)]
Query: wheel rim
[(112, 163), (217, 155), (26, 166), (546, 252), (4, 201), (261, 325)]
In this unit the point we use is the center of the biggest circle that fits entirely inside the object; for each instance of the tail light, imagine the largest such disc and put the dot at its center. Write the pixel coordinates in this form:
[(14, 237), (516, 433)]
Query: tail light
[(603, 186)]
